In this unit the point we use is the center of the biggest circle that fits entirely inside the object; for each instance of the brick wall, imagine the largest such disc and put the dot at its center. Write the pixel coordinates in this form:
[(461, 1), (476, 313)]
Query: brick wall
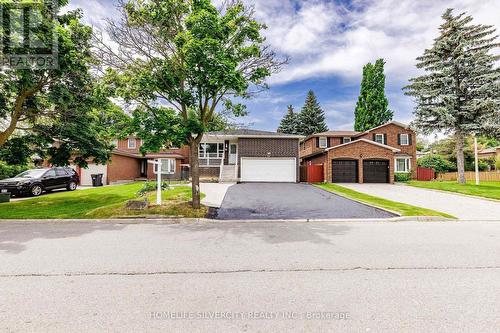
[(360, 151), (268, 147), (123, 168), (392, 131)]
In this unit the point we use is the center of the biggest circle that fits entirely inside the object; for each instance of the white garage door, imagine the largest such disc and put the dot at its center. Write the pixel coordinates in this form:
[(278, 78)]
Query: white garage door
[(268, 169), (86, 178)]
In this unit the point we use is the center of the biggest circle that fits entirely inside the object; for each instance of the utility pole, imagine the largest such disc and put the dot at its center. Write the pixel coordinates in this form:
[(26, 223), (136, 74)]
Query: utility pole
[(476, 160)]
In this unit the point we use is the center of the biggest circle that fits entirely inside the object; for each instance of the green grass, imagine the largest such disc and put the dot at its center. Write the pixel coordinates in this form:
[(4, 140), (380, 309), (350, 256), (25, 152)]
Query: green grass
[(489, 190), (397, 207), (103, 202)]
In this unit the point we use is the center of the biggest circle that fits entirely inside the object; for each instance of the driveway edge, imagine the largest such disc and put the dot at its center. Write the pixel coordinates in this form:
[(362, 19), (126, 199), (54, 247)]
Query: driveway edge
[(450, 192)]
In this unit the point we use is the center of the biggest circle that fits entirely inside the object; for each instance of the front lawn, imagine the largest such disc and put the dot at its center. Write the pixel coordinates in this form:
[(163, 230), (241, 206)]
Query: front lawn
[(397, 207), (102, 202), (489, 190)]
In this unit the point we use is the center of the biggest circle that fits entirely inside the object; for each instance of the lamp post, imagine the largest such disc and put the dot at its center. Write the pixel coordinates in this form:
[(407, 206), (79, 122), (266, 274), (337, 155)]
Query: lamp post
[(158, 180)]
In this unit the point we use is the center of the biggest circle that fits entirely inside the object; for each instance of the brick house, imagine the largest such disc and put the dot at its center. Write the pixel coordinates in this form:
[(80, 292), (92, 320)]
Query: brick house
[(250, 156), (128, 164), (373, 156)]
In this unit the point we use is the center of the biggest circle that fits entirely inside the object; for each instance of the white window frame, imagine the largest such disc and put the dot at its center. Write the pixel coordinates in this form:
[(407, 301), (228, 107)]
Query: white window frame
[(323, 144), (377, 135), (204, 155), (407, 164), (346, 139), (407, 136), (170, 170), (129, 145)]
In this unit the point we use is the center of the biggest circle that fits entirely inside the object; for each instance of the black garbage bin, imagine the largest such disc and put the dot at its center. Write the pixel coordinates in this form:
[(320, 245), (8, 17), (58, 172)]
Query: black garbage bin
[(96, 179), (4, 197)]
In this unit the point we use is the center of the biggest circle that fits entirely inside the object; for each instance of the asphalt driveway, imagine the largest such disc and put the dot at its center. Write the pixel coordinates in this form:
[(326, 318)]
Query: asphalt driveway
[(263, 201)]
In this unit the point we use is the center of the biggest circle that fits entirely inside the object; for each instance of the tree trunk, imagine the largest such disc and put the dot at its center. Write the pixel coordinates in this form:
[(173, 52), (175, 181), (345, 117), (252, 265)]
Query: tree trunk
[(195, 172), (459, 136)]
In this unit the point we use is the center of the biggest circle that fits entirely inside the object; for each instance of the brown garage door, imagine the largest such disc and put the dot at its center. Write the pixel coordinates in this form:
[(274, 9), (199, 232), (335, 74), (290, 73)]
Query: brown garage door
[(344, 171), (375, 171)]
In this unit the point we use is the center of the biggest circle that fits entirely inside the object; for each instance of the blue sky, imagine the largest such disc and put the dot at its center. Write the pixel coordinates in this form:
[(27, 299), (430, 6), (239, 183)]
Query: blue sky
[(328, 43)]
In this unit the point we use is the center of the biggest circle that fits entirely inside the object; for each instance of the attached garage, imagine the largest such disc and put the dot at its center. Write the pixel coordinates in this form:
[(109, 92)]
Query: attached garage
[(375, 171), (85, 174), (256, 169), (344, 171)]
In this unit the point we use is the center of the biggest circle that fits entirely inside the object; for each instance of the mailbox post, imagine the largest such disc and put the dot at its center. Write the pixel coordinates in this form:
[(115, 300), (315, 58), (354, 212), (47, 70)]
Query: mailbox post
[(158, 180)]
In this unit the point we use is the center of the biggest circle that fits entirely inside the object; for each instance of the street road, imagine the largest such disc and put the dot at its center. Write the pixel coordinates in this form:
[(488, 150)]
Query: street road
[(266, 276)]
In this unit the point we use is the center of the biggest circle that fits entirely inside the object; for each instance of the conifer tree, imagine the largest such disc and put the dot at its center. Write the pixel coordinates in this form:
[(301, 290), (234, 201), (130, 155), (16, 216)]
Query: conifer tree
[(288, 124), (460, 93), (311, 117)]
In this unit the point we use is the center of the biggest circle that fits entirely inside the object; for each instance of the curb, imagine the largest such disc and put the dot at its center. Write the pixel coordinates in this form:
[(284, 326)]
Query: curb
[(156, 220)]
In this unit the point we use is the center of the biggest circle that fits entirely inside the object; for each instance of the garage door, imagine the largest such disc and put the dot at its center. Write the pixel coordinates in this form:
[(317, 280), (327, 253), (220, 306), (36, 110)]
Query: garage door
[(268, 169), (344, 171), (375, 171), (85, 174)]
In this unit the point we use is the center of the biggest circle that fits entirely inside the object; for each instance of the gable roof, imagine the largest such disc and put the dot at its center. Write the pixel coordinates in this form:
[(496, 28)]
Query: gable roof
[(353, 133), (367, 141), (250, 133), (489, 150)]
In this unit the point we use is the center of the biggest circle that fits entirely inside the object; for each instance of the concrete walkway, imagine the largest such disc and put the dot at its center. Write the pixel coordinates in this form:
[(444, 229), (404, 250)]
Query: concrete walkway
[(214, 193), (460, 206)]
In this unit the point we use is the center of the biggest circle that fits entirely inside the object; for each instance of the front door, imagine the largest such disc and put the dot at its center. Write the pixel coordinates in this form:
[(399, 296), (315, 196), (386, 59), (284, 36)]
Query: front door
[(233, 153)]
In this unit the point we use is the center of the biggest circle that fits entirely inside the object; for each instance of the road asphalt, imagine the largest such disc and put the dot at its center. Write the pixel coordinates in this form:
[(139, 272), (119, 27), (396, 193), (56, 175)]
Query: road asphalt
[(250, 277)]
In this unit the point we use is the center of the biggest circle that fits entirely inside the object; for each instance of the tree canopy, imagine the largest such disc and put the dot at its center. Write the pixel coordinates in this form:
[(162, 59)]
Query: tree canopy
[(290, 122), (188, 56), (311, 118), (372, 106), (460, 93)]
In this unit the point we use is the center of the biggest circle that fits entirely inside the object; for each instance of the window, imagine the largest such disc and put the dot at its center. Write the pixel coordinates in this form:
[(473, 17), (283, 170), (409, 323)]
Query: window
[(346, 140), (51, 173), (60, 172), (404, 140), (323, 142), (132, 143), (402, 165), (211, 150), (379, 138), (167, 166)]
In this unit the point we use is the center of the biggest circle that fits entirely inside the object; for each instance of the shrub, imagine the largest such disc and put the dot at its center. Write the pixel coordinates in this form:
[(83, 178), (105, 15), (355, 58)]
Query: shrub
[(436, 162), (150, 187), (8, 171), (402, 176), (497, 163)]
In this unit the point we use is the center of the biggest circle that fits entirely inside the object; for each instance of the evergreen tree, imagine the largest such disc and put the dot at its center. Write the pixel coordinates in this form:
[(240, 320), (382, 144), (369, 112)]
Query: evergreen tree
[(372, 106), (311, 117), (460, 93), (289, 123)]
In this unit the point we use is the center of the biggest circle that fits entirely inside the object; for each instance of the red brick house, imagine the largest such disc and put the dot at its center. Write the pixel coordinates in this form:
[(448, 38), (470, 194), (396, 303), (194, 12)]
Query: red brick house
[(128, 164), (373, 156)]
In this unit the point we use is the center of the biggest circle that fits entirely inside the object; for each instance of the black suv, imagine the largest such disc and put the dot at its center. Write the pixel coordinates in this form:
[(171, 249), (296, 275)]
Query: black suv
[(35, 181)]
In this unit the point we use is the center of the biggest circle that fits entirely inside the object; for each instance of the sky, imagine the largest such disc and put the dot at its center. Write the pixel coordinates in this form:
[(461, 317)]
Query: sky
[(328, 42)]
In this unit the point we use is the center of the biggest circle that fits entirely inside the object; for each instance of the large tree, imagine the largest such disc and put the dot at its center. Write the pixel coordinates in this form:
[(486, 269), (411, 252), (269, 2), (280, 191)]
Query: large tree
[(51, 103), (311, 117), (460, 93), (190, 56), (289, 123), (372, 106)]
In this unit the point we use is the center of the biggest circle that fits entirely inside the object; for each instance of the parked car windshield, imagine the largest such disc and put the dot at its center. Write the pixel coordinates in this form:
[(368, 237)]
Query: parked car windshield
[(34, 173)]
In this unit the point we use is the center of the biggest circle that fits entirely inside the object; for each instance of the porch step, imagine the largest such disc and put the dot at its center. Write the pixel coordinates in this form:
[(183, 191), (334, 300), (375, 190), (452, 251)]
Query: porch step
[(227, 174)]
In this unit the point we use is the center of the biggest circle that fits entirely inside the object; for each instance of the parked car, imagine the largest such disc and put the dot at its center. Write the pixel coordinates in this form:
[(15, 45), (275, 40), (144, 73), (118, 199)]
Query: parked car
[(35, 181)]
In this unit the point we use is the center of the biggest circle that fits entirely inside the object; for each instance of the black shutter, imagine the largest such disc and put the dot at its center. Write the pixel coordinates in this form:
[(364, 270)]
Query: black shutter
[(328, 144), (409, 139), (374, 137), (317, 142), (399, 139), (385, 139)]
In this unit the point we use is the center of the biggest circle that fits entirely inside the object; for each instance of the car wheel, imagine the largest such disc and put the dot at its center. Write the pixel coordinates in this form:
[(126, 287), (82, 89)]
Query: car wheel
[(36, 190), (72, 186)]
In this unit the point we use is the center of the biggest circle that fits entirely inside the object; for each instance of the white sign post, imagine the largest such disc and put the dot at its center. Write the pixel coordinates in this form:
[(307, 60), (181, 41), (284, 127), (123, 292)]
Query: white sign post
[(158, 180), (476, 160)]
